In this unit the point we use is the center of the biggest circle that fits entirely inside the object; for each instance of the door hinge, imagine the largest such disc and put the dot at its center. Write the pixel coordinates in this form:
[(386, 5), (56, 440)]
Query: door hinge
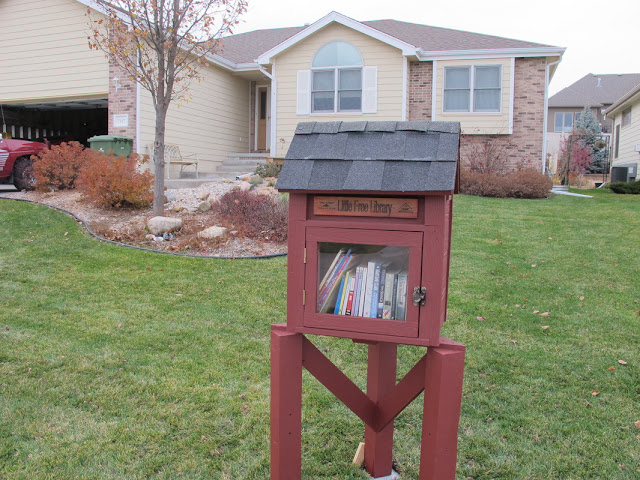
[(419, 296), (305, 256), (304, 297)]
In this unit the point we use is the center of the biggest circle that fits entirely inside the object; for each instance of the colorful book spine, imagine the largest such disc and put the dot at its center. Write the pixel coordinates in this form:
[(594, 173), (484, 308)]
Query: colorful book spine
[(345, 293), (336, 309), (349, 301), (388, 296), (356, 290), (331, 269), (371, 270), (383, 276), (394, 300), (363, 292), (375, 290), (402, 297), (342, 265)]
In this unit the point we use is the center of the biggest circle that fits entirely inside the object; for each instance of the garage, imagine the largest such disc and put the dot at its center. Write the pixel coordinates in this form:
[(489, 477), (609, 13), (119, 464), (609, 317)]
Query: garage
[(55, 121)]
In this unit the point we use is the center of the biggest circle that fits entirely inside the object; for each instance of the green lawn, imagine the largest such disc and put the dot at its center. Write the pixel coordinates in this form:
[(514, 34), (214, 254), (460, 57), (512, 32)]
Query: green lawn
[(117, 363)]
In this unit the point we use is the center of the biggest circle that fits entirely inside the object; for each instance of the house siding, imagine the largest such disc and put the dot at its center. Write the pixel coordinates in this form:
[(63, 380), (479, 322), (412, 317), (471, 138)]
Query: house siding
[(629, 137), (213, 123), (389, 61), (523, 148), (45, 52)]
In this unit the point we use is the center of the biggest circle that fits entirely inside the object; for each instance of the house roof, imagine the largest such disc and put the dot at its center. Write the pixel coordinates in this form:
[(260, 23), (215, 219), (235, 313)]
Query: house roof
[(625, 100), (247, 47), (372, 156), (595, 90)]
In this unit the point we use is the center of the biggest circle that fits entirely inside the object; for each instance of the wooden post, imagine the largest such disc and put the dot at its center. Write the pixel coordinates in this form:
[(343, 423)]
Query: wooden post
[(286, 404), (381, 379), (441, 415)]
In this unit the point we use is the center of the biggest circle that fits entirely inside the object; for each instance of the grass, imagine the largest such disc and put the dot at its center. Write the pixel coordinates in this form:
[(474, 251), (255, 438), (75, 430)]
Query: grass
[(117, 363)]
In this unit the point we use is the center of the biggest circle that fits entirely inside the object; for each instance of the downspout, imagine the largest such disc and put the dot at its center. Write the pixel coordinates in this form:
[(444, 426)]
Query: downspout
[(272, 121), (546, 113)]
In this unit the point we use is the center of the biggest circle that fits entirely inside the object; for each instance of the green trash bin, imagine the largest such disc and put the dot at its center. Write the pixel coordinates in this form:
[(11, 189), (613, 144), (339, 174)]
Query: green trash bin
[(107, 143)]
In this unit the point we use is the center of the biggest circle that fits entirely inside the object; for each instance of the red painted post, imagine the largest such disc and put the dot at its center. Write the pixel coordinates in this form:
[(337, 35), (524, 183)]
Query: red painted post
[(286, 404), (441, 415), (381, 379)]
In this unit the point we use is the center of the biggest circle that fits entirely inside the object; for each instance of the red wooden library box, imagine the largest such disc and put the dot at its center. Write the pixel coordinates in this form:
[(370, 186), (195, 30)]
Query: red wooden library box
[(370, 210)]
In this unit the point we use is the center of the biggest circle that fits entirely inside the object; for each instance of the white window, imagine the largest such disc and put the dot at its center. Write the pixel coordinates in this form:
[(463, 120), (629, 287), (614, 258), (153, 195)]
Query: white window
[(563, 122), (626, 117), (336, 79), (476, 89)]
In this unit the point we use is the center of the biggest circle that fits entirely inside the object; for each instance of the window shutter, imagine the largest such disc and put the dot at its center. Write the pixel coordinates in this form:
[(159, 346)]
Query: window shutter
[(303, 102), (370, 89)]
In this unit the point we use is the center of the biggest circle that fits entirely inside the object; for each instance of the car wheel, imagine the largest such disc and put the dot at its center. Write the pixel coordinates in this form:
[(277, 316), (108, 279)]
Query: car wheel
[(23, 174)]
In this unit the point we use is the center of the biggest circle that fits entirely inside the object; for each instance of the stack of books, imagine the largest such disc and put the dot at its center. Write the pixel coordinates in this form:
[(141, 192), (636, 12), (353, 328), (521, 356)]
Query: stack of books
[(357, 287)]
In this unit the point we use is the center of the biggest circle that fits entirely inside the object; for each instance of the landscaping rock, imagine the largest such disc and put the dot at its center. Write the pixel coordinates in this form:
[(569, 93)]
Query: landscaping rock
[(212, 232), (204, 207), (177, 208), (245, 186), (204, 196), (160, 225), (170, 197)]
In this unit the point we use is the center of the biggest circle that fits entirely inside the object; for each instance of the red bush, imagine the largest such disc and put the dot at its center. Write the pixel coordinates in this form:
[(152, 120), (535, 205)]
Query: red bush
[(526, 183), (253, 215), (58, 167), (116, 182)]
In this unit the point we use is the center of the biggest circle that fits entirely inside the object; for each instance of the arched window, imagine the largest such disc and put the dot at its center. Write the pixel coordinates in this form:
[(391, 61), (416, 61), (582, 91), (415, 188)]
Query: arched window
[(336, 78)]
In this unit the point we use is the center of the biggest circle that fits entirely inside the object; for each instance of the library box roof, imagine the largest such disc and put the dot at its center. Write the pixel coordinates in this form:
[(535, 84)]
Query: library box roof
[(372, 156)]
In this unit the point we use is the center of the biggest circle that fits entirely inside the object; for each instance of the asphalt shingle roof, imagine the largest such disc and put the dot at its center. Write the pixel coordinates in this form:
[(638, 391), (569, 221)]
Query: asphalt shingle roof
[(586, 92), (372, 156), (247, 47)]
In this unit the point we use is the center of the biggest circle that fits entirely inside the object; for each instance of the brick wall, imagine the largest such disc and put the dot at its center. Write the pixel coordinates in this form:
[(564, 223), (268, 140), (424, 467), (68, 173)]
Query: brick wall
[(524, 147), (419, 91), (122, 101)]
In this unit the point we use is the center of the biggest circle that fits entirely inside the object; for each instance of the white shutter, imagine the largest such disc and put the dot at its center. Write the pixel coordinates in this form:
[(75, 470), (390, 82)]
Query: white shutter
[(369, 89), (303, 97)]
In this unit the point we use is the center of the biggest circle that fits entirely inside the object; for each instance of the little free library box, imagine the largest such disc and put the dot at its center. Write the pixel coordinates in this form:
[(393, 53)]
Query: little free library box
[(370, 207)]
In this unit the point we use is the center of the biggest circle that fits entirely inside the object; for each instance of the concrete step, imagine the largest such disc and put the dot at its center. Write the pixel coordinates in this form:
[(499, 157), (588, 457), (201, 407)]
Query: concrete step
[(173, 183)]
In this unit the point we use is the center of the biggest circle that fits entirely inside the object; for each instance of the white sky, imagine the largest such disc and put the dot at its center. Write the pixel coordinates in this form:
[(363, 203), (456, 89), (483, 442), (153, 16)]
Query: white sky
[(600, 37)]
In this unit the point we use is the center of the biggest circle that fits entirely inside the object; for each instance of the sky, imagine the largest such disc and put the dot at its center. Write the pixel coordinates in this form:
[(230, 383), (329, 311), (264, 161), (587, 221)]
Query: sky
[(599, 37)]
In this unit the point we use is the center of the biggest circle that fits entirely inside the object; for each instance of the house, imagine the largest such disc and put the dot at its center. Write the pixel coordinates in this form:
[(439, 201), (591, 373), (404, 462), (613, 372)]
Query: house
[(625, 114), (262, 83), (595, 92)]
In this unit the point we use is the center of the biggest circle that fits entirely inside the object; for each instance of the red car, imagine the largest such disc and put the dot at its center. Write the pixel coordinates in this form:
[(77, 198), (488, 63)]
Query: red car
[(15, 162)]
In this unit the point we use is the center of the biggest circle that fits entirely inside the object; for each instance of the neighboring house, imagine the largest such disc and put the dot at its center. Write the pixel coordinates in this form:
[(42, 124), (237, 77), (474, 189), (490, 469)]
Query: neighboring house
[(597, 93), (262, 83), (625, 113)]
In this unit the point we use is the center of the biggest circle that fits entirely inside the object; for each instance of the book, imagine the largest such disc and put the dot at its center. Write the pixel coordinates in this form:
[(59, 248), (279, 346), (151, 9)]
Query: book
[(375, 290), (371, 269), (336, 309), (388, 296), (333, 282), (363, 292), (323, 293), (345, 293), (394, 300), (401, 309), (349, 293), (383, 275), (331, 268), (356, 291)]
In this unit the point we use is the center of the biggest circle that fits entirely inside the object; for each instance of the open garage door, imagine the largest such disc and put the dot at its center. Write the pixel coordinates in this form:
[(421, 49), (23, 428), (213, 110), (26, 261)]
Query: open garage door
[(60, 121)]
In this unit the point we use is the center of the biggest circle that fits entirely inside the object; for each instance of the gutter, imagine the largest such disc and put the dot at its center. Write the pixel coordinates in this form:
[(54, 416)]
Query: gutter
[(546, 112)]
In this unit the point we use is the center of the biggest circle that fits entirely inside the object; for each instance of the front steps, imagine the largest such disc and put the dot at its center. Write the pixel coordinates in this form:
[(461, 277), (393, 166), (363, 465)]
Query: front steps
[(235, 165)]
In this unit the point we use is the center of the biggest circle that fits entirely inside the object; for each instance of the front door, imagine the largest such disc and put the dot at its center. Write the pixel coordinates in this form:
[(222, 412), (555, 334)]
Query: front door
[(263, 116)]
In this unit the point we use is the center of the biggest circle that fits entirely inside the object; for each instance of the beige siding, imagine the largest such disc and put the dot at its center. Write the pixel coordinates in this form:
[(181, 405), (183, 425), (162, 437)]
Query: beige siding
[(213, 123), (45, 53), (476, 123), (629, 136), (389, 61)]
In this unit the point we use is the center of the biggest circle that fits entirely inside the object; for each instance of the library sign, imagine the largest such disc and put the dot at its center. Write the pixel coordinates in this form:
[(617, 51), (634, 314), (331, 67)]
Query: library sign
[(366, 207)]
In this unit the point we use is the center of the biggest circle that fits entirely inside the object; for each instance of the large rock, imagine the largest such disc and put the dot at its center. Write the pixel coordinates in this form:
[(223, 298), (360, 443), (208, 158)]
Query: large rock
[(212, 232), (204, 206), (160, 225)]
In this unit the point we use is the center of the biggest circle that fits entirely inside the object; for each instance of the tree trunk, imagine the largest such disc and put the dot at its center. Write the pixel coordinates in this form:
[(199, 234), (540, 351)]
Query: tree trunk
[(158, 159)]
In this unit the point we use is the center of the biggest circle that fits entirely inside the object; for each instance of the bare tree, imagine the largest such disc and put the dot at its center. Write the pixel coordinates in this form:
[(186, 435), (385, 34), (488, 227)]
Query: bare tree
[(162, 44)]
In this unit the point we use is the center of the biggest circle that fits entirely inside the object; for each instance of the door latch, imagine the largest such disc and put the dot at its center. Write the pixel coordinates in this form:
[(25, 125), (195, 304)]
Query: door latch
[(419, 296)]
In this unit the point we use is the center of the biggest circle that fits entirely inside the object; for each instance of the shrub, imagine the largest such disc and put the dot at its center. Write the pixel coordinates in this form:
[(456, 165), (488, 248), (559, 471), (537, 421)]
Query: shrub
[(527, 183), (58, 167), (253, 215), (116, 182), (632, 188), (489, 155), (268, 170)]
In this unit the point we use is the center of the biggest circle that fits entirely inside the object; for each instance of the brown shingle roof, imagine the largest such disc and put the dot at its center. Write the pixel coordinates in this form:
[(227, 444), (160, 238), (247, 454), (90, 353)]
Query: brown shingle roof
[(586, 92), (247, 47)]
